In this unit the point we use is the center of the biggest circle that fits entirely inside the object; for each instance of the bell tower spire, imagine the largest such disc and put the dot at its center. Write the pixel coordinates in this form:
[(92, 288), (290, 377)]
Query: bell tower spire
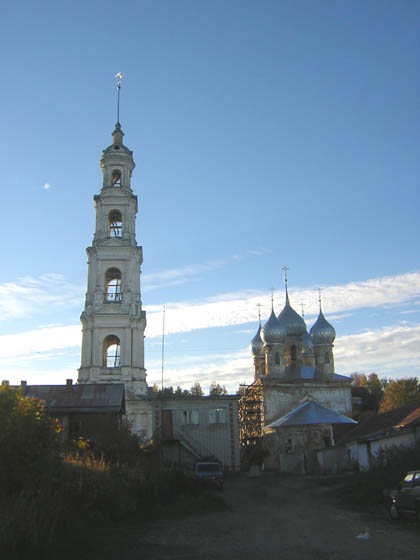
[(113, 319)]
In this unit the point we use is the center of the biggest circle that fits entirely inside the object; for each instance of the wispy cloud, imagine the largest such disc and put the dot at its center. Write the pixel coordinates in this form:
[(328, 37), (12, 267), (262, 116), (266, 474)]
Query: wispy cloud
[(28, 295), (177, 276), (34, 342), (385, 348), (240, 307), (386, 351), (47, 186)]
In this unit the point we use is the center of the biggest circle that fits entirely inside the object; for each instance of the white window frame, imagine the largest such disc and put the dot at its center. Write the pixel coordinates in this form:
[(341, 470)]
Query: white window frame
[(190, 417), (218, 415)]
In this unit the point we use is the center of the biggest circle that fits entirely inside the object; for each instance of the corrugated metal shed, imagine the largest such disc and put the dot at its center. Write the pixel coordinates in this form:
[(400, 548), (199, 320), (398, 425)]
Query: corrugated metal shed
[(311, 412), (86, 398)]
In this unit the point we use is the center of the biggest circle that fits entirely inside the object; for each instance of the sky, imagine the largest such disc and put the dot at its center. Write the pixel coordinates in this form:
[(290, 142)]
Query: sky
[(265, 134)]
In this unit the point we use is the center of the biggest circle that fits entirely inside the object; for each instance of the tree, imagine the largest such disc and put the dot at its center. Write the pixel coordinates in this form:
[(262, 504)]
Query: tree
[(359, 380), (216, 390), (196, 390), (29, 440), (400, 392), (367, 393), (376, 390)]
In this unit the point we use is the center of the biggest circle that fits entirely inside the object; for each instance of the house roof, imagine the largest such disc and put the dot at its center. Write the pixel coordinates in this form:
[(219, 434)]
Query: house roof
[(88, 398), (385, 422), (311, 412)]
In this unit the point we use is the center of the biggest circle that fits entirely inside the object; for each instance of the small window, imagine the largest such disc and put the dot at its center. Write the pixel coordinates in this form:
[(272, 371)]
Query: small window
[(326, 358), (217, 416), (190, 416), (113, 286), (277, 358), (293, 355), (288, 446), (112, 351), (116, 178), (115, 224)]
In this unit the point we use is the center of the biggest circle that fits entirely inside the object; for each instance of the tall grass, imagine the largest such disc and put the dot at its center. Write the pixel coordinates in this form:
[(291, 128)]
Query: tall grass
[(86, 494)]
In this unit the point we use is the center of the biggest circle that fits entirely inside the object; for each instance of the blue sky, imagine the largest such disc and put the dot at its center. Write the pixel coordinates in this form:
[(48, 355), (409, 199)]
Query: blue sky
[(264, 133)]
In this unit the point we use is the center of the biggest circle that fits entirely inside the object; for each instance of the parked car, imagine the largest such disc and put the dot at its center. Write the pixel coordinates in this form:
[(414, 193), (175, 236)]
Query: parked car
[(405, 500), (210, 473)]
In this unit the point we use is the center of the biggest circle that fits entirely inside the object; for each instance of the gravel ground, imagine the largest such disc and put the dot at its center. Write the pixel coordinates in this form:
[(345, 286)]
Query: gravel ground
[(281, 518)]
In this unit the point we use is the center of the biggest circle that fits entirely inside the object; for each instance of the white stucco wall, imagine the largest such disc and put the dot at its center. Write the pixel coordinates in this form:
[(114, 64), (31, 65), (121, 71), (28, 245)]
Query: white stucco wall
[(281, 397)]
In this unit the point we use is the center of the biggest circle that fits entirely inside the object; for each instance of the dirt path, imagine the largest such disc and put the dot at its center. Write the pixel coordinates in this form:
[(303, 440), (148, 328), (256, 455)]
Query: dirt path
[(279, 518)]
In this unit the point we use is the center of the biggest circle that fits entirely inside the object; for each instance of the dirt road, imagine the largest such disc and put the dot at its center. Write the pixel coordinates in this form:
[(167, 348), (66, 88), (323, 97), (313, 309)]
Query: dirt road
[(273, 517)]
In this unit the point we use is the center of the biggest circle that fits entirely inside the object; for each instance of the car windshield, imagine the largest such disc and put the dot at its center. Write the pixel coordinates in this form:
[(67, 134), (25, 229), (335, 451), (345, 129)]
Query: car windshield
[(408, 480), (206, 467)]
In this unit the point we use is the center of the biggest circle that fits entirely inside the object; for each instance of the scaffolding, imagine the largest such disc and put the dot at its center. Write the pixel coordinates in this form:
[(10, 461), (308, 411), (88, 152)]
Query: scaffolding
[(251, 415)]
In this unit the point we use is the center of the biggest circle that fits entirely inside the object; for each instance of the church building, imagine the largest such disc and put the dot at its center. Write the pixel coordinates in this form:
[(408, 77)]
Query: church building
[(297, 401), (113, 319), (114, 324)]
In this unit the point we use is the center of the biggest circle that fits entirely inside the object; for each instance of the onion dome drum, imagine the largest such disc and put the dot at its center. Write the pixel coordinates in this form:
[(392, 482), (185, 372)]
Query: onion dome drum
[(256, 345), (273, 332), (322, 332)]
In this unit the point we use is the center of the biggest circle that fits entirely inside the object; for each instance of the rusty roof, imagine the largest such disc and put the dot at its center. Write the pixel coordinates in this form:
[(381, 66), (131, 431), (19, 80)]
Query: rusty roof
[(385, 423), (88, 398)]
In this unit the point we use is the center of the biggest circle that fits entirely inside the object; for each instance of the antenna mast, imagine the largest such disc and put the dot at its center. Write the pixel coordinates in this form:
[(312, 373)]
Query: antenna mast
[(119, 77), (163, 344)]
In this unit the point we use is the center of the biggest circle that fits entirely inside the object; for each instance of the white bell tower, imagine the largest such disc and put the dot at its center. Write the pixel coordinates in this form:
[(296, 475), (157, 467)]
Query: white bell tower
[(113, 320)]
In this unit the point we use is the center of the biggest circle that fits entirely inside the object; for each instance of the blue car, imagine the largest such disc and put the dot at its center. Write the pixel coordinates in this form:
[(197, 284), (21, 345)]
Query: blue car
[(209, 473)]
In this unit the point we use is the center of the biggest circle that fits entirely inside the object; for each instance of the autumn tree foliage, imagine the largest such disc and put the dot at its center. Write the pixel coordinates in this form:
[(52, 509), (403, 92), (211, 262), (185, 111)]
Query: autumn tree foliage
[(369, 389), (29, 440), (196, 390), (400, 392), (217, 390)]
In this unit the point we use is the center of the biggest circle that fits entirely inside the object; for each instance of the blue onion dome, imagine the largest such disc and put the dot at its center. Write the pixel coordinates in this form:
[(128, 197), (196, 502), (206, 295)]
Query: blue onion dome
[(272, 332), (256, 345), (291, 321), (308, 347), (322, 332)]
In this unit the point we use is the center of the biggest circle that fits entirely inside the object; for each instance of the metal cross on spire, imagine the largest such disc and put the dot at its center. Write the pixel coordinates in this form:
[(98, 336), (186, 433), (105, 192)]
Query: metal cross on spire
[(119, 77), (319, 297), (259, 312), (285, 269), (302, 306), (272, 298)]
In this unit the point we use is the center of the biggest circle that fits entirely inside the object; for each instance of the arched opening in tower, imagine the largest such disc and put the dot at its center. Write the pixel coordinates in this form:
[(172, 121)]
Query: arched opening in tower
[(115, 224), (113, 292), (112, 351), (116, 178)]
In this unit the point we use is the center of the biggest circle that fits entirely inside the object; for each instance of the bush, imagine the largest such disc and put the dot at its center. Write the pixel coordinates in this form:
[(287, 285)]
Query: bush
[(29, 441)]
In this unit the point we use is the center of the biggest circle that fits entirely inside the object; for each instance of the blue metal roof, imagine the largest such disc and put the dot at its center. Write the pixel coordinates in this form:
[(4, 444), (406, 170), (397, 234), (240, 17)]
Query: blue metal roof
[(296, 371), (311, 412)]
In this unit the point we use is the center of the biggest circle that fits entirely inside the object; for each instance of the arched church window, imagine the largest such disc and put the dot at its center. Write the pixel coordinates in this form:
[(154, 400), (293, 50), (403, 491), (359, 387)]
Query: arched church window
[(116, 178), (277, 358), (326, 358), (113, 286), (293, 353), (115, 224), (112, 351)]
